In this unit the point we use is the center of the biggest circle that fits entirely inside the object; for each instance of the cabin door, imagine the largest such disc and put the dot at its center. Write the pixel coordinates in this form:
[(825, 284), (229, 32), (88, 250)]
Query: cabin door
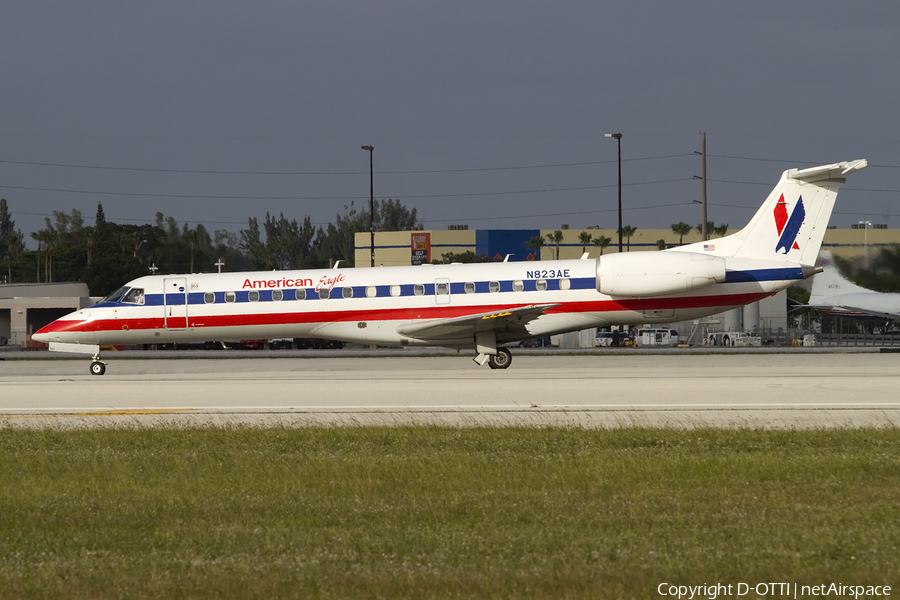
[(442, 291), (175, 302)]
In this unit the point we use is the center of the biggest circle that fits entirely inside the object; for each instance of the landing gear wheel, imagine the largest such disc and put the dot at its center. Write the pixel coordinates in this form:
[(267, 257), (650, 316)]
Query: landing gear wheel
[(98, 368), (501, 360)]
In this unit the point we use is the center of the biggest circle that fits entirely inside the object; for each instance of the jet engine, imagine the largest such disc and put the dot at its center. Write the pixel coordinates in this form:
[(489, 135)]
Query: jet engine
[(657, 273)]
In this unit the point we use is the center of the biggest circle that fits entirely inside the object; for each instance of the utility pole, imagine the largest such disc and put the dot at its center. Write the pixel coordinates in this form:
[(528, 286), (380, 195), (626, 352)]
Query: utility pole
[(618, 137), (371, 203), (703, 232)]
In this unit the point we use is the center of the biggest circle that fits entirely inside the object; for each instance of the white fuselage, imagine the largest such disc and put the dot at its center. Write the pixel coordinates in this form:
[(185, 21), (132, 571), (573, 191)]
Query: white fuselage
[(373, 305)]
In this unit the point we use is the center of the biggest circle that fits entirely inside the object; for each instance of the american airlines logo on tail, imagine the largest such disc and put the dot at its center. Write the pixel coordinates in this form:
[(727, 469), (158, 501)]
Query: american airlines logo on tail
[(788, 226)]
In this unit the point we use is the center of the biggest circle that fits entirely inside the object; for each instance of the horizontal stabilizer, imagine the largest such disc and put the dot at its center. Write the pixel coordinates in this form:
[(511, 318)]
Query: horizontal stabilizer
[(825, 172)]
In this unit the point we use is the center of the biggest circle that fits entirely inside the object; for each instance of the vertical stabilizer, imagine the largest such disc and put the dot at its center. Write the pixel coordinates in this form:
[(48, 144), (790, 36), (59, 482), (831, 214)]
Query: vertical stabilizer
[(792, 221)]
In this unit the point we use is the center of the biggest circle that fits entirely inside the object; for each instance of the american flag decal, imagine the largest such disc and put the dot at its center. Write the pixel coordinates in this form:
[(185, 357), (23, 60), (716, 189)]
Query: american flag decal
[(709, 247)]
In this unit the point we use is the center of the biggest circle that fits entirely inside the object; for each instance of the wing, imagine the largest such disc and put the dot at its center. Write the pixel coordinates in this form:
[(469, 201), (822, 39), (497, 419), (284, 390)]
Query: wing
[(500, 320)]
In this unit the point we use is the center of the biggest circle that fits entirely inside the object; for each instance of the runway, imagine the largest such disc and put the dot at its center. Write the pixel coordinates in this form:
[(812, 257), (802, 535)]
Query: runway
[(783, 390)]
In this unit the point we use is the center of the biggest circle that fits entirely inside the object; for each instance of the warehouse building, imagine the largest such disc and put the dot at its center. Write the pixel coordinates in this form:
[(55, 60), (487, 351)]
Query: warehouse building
[(26, 307)]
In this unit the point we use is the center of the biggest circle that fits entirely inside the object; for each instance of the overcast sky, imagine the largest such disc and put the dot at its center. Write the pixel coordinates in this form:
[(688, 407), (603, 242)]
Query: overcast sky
[(490, 114)]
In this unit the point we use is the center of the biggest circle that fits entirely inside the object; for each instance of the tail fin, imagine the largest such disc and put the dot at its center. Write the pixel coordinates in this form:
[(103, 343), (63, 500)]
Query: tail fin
[(830, 282), (792, 221)]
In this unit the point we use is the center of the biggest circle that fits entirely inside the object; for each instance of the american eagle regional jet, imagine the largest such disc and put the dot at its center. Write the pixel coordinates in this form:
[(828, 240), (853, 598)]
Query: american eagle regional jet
[(478, 307)]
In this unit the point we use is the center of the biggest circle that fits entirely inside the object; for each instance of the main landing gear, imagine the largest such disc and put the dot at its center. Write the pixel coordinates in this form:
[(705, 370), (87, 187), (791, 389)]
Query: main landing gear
[(501, 360), (98, 367)]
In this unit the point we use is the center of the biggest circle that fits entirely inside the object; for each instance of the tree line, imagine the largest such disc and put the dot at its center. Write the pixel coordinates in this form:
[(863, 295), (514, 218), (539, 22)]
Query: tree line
[(586, 238), (106, 254)]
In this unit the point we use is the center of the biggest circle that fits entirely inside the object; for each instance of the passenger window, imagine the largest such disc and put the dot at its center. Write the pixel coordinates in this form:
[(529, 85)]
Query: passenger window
[(347, 292), (540, 285), (277, 295), (470, 287), (419, 289), (229, 296), (209, 297), (253, 296), (564, 284), (323, 294), (371, 291), (518, 285), (395, 290), (494, 286), (300, 294), (442, 289), (134, 296)]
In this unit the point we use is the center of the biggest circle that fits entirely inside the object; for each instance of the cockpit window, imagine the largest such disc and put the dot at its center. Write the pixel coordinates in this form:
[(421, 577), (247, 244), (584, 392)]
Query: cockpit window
[(134, 296), (117, 295)]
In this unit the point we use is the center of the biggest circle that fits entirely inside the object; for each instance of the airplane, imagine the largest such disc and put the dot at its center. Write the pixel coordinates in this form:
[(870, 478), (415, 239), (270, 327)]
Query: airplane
[(834, 294), (477, 307)]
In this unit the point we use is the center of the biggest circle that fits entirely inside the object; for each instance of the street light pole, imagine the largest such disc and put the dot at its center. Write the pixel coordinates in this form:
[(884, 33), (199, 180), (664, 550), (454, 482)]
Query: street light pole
[(865, 225), (371, 203), (618, 137)]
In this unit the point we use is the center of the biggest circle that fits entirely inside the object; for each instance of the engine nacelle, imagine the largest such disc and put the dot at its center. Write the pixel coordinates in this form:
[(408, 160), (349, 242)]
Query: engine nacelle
[(657, 273)]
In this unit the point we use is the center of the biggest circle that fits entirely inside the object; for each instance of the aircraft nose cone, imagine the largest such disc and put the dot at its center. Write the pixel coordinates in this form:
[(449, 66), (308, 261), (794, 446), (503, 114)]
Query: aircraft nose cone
[(55, 331)]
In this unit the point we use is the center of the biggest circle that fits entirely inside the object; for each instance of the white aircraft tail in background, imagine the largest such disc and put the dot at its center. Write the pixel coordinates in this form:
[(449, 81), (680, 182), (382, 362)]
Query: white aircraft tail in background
[(834, 294), (478, 307)]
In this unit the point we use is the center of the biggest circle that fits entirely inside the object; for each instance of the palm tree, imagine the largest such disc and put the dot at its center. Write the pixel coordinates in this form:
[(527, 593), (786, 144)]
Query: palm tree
[(585, 238), (709, 228), (602, 242), (555, 238), (681, 229), (627, 232), (536, 243), (721, 230)]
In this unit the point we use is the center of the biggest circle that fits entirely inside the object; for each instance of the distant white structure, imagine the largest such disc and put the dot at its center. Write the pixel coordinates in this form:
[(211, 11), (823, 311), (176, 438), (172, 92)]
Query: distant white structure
[(834, 294)]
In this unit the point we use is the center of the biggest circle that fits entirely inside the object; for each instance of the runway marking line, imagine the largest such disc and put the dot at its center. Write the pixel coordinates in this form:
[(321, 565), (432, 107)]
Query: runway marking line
[(105, 413), (133, 411), (461, 409)]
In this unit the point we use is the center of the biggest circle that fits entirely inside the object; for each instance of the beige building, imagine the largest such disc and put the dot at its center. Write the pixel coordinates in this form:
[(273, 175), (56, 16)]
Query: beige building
[(394, 248)]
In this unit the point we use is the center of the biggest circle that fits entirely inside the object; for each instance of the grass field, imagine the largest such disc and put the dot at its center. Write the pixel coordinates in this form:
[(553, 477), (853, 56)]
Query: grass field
[(441, 512)]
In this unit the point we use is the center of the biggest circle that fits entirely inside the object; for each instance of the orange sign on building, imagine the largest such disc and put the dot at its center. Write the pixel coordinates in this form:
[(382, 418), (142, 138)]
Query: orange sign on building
[(421, 247)]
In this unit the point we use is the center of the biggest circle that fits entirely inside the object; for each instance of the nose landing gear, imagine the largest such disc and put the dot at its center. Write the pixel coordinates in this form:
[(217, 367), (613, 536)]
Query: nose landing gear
[(98, 367)]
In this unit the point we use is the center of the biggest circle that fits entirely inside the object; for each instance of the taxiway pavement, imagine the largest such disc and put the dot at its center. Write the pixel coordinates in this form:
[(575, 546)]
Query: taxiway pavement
[(736, 389)]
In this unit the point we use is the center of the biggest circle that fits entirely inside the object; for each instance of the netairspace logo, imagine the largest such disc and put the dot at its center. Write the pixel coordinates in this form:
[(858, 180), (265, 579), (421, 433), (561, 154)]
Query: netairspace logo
[(772, 590)]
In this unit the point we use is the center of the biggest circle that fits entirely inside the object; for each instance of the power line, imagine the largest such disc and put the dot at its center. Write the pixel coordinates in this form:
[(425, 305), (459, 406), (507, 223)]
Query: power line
[(409, 172), (769, 184), (799, 162), (405, 196)]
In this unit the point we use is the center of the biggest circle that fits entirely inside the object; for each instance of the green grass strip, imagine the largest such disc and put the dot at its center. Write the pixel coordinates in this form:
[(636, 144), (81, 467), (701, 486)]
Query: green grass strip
[(430, 512)]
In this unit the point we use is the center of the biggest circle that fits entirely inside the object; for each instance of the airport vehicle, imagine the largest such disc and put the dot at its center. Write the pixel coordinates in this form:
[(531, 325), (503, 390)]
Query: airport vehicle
[(479, 307), (655, 337), (733, 338), (834, 294)]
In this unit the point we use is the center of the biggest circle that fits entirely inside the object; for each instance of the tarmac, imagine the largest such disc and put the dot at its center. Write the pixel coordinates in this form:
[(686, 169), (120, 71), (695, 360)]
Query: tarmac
[(597, 388)]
